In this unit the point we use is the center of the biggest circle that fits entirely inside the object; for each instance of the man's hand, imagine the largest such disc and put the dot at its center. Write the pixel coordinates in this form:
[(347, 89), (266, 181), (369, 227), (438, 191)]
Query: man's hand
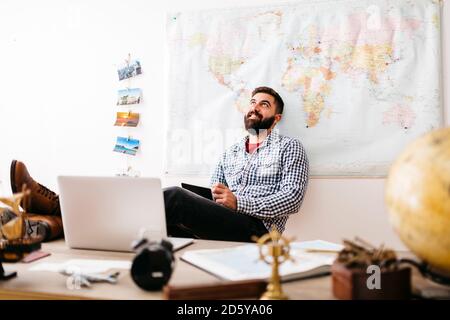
[(224, 196)]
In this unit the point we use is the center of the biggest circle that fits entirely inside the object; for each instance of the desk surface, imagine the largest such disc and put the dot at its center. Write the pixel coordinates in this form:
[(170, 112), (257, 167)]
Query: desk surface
[(50, 285)]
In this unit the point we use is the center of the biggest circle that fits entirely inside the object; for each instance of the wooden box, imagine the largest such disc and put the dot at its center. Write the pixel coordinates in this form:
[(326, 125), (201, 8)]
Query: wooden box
[(351, 284)]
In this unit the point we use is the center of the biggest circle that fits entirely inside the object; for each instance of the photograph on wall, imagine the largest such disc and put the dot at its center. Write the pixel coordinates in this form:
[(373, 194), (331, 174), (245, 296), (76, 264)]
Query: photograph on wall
[(129, 96), (129, 69), (127, 119), (126, 145)]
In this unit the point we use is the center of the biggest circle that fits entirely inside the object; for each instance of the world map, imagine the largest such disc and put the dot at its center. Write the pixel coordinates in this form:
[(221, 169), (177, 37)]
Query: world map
[(360, 79)]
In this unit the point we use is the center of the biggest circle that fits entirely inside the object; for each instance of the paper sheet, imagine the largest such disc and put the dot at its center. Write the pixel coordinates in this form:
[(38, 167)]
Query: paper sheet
[(83, 265), (242, 263), (317, 245)]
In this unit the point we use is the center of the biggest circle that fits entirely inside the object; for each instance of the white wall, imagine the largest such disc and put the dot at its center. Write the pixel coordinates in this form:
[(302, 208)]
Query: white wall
[(58, 83)]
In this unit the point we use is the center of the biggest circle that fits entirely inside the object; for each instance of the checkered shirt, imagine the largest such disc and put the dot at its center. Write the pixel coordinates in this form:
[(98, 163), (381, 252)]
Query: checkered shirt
[(270, 183)]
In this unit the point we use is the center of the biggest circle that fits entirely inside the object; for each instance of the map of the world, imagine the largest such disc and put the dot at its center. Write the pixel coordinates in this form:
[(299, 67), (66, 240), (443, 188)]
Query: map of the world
[(360, 80)]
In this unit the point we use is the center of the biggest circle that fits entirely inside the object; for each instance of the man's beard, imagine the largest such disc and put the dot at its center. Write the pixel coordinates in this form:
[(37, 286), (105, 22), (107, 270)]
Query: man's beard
[(254, 126)]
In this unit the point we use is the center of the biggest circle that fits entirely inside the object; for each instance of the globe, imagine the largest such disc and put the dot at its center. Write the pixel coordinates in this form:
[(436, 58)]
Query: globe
[(418, 198)]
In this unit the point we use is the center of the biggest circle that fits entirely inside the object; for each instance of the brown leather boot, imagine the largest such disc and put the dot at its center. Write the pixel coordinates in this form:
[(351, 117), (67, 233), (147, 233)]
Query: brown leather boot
[(53, 225), (49, 227), (41, 200)]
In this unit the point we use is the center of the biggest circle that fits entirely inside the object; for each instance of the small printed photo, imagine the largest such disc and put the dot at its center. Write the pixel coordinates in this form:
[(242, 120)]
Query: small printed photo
[(129, 96), (128, 70), (126, 145), (127, 119)]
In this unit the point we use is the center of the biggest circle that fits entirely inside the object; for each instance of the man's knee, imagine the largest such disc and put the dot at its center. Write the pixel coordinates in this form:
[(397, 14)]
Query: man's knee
[(174, 200), (173, 196), (172, 192), (172, 189)]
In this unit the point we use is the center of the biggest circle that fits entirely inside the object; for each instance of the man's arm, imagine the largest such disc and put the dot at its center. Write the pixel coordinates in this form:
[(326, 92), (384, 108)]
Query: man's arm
[(218, 175), (294, 164)]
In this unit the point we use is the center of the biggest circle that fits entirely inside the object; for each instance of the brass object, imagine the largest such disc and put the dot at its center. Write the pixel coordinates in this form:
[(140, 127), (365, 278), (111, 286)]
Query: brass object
[(14, 241), (278, 250), (15, 229)]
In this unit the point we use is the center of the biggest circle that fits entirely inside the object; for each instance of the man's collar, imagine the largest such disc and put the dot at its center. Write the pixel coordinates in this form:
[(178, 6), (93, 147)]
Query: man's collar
[(270, 139)]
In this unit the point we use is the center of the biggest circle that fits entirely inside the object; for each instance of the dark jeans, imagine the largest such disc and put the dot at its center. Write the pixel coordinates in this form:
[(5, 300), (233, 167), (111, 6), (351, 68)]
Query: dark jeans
[(191, 216)]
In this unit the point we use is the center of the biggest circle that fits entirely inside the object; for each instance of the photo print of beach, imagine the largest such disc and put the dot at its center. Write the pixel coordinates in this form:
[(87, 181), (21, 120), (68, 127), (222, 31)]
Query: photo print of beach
[(129, 96), (127, 119), (128, 70), (126, 145)]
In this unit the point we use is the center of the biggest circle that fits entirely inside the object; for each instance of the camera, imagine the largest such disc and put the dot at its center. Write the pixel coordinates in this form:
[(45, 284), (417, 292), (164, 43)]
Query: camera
[(153, 264)]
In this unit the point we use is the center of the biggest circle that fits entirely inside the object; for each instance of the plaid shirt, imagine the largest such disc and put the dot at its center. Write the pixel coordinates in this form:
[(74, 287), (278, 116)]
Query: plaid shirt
[(270, 183)]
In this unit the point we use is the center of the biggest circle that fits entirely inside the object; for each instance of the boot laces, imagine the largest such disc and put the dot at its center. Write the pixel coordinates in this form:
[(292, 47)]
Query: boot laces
[(46, 192)]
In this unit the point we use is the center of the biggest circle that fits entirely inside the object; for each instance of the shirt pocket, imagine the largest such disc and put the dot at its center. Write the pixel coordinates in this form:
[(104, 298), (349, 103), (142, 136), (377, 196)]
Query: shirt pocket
[(233, 171), (269, 168)]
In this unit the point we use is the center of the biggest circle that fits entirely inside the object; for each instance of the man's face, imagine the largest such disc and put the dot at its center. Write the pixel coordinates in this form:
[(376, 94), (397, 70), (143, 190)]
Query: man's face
[(261, 114)]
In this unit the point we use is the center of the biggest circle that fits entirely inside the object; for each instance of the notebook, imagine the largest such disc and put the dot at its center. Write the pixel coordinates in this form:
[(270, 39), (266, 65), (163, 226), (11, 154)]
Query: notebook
[(201, 191), (242, 262)]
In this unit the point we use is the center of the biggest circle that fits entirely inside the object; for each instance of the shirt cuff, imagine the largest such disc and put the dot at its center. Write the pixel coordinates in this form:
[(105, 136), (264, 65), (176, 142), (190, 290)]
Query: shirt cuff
[(243, 205)]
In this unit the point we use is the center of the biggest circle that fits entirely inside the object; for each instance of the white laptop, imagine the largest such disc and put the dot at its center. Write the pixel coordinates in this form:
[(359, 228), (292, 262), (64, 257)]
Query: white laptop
[(109, 213)]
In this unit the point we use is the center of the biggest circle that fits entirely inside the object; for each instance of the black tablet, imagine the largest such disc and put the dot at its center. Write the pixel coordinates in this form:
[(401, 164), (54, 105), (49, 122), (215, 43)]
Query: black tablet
[(201, 191)]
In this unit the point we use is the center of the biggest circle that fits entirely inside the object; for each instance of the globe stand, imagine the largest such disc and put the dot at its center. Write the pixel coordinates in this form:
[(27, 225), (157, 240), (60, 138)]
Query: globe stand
[(426, 271)]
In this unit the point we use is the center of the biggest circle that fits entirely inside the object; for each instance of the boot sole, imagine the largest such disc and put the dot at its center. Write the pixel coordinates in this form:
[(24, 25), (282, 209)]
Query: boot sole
[(12, 176)]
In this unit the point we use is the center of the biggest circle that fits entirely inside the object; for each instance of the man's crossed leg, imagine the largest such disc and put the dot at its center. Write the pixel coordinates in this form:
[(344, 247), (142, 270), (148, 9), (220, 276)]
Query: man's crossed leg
[(187, 214)]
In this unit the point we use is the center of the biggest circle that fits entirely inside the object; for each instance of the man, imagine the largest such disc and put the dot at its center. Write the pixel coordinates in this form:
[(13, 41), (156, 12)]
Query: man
[(256, 185)]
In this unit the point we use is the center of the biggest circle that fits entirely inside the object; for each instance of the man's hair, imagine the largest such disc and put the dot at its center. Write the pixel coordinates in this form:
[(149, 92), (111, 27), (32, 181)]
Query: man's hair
[(278, 101)]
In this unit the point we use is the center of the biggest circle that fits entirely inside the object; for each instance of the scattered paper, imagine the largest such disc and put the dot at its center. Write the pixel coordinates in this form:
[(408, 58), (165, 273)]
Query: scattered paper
[(317, 245), (83, 266)]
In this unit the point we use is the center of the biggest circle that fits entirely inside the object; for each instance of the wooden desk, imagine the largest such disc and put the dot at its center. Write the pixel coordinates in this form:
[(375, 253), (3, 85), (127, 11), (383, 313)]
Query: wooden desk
[(50, 285)]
